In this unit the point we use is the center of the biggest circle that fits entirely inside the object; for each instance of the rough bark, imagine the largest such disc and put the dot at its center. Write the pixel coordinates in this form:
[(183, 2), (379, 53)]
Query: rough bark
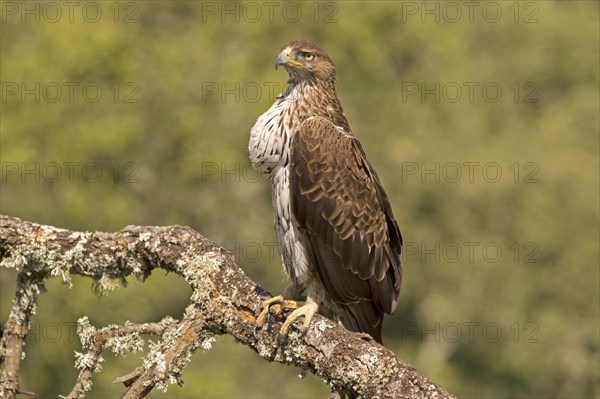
[(224, 301)]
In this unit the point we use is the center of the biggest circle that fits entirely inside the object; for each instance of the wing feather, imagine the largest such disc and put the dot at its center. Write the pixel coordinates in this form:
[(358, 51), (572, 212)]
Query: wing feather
[(339, 202)]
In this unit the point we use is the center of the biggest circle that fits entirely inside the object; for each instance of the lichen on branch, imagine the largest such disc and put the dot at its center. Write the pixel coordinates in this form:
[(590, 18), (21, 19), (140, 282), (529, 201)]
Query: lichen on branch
[(223, 301)]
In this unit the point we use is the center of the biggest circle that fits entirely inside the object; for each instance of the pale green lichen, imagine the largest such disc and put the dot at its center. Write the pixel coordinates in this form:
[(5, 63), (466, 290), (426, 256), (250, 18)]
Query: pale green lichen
[(86, 386), (319, 327), (87, 361), (162, 386), (206, 345), (155, 356), (104, 285), (137, 270), (59, 270), (198, 267), (14, 260), (168, 323), (86, 332), (50, 230), (369, 360), (125, 344), (145, 236)]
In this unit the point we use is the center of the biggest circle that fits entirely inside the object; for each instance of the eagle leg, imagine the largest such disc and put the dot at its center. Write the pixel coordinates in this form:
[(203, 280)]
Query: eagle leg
[(274, 307), (265, 307), (306, 310)]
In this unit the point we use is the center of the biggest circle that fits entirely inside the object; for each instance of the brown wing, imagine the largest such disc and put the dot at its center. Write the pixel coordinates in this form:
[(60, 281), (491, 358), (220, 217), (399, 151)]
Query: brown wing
[(338, 200)]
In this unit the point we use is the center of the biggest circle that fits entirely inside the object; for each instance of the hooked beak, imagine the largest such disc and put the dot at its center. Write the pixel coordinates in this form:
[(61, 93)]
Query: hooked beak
[(283, 57)]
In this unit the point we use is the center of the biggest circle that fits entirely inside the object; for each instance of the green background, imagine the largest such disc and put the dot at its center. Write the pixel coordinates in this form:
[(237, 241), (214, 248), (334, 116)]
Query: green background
[(496, 192)]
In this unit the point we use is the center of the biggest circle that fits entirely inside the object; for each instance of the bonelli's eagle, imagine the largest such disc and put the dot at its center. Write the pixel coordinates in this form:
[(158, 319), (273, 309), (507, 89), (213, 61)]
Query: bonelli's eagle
[(337, 236)]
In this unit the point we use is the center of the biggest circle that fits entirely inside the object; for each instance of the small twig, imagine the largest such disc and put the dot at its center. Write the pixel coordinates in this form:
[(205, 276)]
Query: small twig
[(15, 332), (129, 378), (26, 393), (97, 343), (169, 358)]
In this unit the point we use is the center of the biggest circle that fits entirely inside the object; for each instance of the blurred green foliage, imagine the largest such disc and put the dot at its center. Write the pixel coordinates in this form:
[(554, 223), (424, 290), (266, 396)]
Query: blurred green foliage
[(155, 131)]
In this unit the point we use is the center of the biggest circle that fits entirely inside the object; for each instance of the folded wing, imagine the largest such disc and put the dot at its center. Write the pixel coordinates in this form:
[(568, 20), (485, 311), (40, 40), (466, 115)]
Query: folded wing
[(355, 242)]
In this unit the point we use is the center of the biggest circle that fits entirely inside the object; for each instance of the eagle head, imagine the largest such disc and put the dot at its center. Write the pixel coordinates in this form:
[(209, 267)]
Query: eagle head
[(305, 60)]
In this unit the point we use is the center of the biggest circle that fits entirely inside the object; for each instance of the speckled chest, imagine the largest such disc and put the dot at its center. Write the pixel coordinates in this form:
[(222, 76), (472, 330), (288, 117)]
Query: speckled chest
[(269, 138), (269, 151)]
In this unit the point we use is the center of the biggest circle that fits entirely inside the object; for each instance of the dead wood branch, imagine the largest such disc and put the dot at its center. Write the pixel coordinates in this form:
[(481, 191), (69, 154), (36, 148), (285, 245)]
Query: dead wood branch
[(224, 301)]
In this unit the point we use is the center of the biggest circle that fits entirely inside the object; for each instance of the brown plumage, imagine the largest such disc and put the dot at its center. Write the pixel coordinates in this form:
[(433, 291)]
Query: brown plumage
[(337, 235)]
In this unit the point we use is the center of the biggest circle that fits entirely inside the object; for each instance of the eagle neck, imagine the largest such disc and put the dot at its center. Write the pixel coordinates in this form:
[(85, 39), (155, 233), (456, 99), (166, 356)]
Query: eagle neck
[(317, 98)]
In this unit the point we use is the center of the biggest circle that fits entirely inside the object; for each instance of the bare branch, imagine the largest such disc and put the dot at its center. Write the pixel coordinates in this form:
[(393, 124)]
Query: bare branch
[(15, 332), (224, 301), (117, 338)]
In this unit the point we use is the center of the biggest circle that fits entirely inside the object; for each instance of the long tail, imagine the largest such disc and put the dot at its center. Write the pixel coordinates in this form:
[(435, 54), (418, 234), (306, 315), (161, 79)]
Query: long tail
[(363, 317)]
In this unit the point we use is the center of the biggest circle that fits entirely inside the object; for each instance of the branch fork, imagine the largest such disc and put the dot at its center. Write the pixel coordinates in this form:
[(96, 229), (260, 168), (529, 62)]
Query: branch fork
[(224, 301)]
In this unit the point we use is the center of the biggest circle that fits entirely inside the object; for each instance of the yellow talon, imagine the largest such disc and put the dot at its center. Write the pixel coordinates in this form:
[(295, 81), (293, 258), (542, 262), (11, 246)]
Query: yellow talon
[(265, 308), (308, 310), (277, 305)]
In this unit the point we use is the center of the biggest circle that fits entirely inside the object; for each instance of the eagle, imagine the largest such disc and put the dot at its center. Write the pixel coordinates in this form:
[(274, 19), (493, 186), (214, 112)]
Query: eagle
[(336, 233)]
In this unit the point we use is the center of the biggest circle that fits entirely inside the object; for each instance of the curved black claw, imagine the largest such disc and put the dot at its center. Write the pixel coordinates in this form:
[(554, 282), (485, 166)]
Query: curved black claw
[(266, 313)]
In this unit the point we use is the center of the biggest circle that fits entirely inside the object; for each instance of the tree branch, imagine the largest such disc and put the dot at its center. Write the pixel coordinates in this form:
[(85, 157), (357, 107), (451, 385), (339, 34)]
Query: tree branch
[(120, 338), (224, 301)]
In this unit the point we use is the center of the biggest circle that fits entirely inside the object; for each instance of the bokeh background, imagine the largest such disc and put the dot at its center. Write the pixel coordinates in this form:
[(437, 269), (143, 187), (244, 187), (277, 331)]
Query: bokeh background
[(481, 118)]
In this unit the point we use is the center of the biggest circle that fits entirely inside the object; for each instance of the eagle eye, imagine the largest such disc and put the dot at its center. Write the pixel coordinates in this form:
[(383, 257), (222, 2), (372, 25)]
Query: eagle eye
[(308, 56)]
